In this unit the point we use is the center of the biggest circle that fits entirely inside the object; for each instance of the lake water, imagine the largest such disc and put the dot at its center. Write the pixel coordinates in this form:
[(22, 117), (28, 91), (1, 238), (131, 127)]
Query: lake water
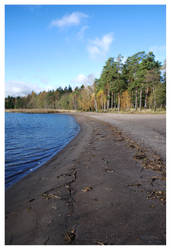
[(32, 139)]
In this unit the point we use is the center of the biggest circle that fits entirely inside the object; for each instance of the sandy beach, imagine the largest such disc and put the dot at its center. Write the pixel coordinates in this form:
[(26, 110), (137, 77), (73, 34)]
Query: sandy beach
[(148, 130), (104, 188)]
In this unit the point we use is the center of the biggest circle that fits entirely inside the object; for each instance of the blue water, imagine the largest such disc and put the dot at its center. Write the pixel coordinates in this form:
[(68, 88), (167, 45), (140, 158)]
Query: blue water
[(32, 139)]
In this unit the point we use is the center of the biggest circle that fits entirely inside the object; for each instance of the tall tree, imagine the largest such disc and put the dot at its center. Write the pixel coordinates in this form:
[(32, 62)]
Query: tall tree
[(152, 75), (131, 67), (119, 83), (106, 80)]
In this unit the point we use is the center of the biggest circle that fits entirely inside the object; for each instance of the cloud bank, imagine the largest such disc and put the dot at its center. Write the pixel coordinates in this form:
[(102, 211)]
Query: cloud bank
[(15, 88)]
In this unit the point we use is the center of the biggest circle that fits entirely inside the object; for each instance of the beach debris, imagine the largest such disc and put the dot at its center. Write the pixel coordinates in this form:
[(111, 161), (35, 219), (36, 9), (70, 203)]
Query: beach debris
[(67, 186), (132, 146), (70, 236), (102, 136), (140, 155), (100, 243), (118, 132), (156, 165), (161, 195), (73, 172), (32, 200), (134, 185), (63, 175), (108, 170), (98, 133), (86, 189), (120, 138), (154, 178), (50, 196), (118, 135), (106, 161)]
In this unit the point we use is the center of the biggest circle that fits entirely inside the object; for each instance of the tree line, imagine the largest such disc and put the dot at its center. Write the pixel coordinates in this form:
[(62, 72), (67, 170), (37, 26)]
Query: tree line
[(137, 83)]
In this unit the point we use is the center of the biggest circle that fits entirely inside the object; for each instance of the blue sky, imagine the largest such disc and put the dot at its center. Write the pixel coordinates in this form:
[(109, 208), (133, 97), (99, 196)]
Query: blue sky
[(51, 46)]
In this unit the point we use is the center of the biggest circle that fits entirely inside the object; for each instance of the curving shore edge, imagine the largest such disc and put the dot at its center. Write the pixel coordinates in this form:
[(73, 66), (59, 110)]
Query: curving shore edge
[(102, 188)]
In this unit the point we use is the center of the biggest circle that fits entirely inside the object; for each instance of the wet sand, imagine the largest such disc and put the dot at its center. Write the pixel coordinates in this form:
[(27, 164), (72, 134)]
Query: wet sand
[(102, 188)]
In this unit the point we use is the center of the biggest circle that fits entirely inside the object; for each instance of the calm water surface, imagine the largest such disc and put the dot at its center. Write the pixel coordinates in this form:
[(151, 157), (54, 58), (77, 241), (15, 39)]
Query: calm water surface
[(32, 139)]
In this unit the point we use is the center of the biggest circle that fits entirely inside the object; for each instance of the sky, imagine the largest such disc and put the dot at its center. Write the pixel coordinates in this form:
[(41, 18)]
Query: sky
[(48, 46)]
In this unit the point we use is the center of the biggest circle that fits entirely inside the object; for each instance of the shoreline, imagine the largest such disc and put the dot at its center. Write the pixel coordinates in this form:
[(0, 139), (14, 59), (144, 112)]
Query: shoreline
[(66, 200), (47, 111), (40, 111)]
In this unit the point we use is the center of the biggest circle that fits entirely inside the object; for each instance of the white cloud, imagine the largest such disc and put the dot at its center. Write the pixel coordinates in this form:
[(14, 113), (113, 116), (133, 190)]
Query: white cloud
[(68, 20), (99, 47), (82, 32), (14, 88), (83, 79)]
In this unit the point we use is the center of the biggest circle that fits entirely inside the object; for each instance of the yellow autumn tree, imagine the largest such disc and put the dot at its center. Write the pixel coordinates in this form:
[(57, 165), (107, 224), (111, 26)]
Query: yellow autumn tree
[(101, 99), (85, 99), (125, 100)]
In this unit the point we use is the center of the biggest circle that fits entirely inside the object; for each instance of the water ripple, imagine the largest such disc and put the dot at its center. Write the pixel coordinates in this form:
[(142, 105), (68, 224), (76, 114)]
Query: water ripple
[(32, 139)]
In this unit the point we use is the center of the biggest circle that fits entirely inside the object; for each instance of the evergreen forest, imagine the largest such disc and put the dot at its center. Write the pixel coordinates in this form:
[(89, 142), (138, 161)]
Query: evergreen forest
[(135, 84)]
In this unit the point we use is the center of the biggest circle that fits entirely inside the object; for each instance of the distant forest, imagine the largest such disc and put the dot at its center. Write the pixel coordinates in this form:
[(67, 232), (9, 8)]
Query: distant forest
[(138, 83)]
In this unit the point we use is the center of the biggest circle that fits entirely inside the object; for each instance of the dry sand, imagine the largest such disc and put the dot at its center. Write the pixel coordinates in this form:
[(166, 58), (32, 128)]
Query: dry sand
[(103, 188), (148, 130)]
